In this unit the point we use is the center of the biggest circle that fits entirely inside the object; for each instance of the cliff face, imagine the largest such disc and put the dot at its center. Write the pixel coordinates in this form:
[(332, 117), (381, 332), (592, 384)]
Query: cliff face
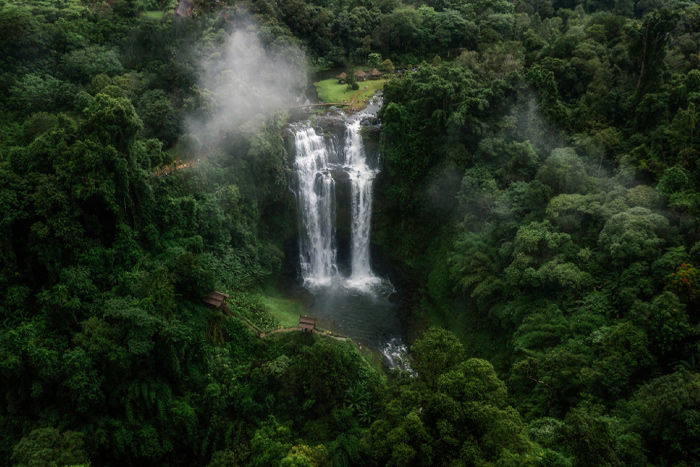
[(332, 128)]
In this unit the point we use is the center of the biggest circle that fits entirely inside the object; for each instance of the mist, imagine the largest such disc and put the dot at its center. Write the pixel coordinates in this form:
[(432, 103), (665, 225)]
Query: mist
[(243, 79)]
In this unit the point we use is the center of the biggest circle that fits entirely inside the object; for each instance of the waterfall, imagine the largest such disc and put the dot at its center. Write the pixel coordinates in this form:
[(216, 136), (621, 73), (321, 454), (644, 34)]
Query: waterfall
[(316, 204), (333, 177), (361, 178), (315, 160)]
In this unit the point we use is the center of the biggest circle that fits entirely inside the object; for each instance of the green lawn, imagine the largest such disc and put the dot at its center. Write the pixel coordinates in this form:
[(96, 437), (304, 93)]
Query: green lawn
[(330, 91), (285, 311), (153, 14)]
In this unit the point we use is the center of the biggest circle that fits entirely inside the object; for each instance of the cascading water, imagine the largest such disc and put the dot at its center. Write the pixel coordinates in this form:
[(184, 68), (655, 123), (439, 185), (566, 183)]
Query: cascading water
[(316, 204), (361, 178), (358, 305), (395, 354), (313, 165)]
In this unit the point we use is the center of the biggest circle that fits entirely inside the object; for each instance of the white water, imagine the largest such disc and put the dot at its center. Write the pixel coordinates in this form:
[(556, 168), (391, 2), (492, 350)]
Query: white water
[(361, 179), (316, 197), (357, 305), (395, 352)]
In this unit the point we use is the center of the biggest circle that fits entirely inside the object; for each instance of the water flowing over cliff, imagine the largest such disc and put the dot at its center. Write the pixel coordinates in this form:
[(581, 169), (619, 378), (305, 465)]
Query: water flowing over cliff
[(317, 159), (334, 174), (316, 208)]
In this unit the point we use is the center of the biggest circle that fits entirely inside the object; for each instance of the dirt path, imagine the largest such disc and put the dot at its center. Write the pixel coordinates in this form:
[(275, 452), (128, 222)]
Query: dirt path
[(296, 328)]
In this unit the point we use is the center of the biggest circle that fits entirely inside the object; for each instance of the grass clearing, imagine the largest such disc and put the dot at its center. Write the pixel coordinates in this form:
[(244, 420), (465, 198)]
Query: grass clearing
[(157, 15), (330, 91), (285, 311)]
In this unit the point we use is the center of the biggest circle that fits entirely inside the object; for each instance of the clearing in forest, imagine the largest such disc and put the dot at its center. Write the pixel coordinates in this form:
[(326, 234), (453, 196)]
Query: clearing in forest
[(329, 90)]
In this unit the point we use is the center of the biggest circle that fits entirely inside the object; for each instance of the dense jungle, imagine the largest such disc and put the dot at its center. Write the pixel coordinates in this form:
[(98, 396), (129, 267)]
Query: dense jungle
[(534, 197)]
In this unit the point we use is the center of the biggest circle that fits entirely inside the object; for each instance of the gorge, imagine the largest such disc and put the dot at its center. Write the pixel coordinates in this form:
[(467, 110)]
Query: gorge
[(350, 298)]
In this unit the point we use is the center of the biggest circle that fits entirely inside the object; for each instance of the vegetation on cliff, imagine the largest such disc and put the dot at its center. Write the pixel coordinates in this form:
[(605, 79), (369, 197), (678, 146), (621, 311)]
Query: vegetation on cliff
[(539, 196)]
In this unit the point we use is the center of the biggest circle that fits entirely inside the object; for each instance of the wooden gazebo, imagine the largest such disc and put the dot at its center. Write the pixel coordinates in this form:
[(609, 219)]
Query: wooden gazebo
[(375, 74), (307, 323), (217, 301), (341, 78), (360, 75)]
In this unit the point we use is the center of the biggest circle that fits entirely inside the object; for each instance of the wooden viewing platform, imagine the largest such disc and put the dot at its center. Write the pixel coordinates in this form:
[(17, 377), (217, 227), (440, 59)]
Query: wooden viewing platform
[(307, 323)]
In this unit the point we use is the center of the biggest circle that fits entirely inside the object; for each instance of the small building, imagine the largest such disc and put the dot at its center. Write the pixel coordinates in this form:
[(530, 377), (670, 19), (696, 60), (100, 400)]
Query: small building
[(360, 75), (375, 74), (307, 323), (341, 78), (217, 301)]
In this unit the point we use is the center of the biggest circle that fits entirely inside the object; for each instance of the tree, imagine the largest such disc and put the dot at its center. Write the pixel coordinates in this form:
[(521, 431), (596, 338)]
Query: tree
[(374, 60), (665, 411), (388, 66), (666, 322), (35, 93), (563, 171), (350, 80), (25, 35), (595, 439), (113, 121), (685, 282), (49, 447), (634, 234), (271, 443), (454, 413), (435, 353), (399, 30), (649, 38), (82, 65), (158, 116)]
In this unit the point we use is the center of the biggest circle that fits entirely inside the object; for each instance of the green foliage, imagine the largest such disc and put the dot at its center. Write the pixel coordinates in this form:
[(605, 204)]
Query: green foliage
[(158, 116), (36, 93), (664, 412), (437, 352), (634, 234), (48, 446), (374, 60), (594, 439), (684, 282), (539, 193), (388, 66), (458, 415), (563, 171), (101, 315), (82, 65), (568, 230)]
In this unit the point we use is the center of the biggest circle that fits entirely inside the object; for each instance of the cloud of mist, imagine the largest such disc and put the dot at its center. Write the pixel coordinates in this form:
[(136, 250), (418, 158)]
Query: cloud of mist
[(242, 79), (522, 122)]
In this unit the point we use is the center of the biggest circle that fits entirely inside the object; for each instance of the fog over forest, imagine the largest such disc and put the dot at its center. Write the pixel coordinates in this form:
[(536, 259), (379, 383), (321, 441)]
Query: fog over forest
[(350, 233)]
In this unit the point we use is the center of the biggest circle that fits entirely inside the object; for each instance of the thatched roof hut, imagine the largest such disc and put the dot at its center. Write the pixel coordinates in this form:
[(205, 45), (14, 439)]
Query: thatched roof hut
[(360, 75), (375, 74), (341, 77)]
